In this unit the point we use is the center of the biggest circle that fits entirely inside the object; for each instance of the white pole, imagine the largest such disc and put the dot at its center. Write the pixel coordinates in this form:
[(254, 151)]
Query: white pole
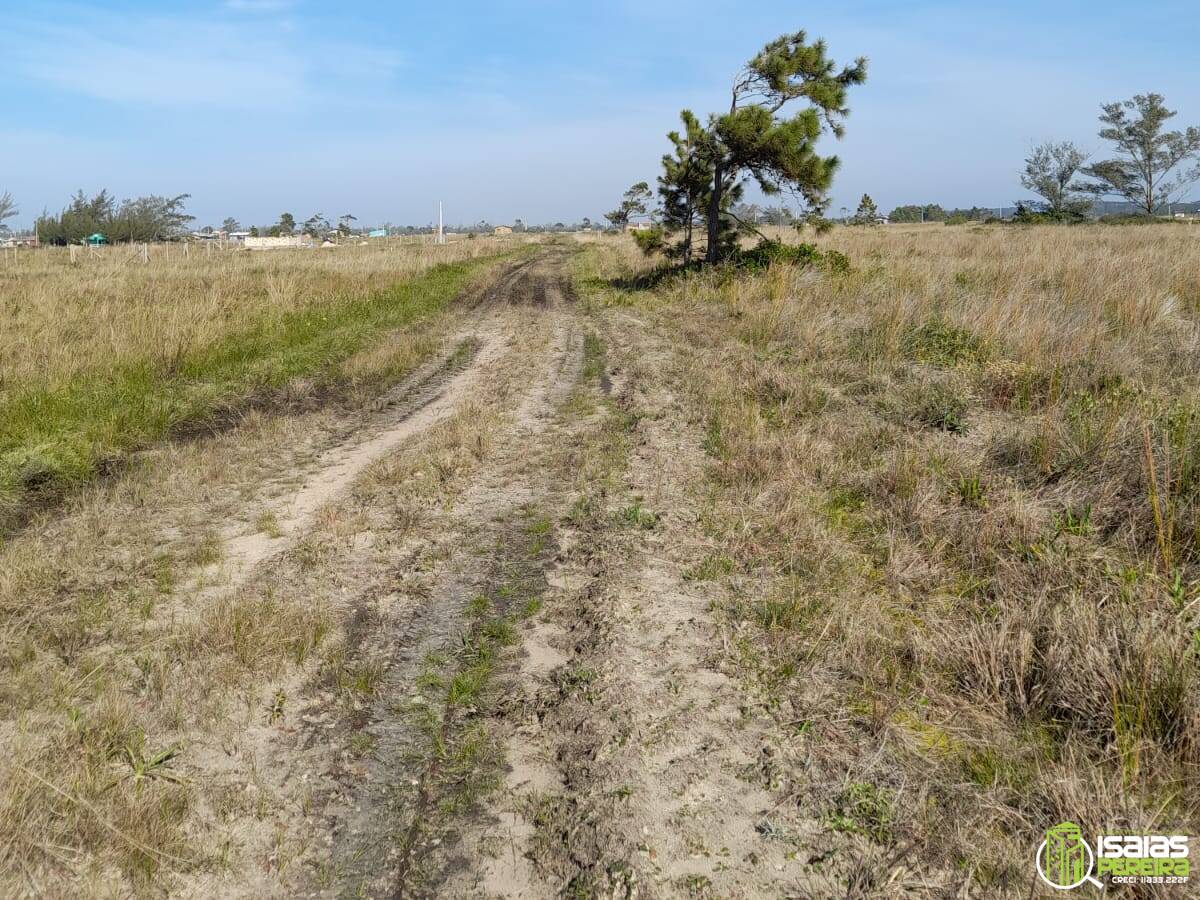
[(441, 238)]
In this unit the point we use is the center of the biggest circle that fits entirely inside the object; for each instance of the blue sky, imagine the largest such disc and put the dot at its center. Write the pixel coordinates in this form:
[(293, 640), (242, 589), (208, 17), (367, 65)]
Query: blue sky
[(539, 110)]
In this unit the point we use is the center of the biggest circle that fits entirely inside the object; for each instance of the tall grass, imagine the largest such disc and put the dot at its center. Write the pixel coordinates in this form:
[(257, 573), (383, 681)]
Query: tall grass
[(968, 471), (108, 355)]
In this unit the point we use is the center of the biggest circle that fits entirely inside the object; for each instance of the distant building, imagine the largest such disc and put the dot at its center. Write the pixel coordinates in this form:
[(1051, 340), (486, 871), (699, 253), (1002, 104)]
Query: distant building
[(377, 233), (638, 226), (96, 239), (283, 242), (502, 229)]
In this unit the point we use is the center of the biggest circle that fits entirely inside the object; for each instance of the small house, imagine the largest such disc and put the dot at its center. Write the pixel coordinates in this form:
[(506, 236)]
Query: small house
[(97, 239), (502, 229)]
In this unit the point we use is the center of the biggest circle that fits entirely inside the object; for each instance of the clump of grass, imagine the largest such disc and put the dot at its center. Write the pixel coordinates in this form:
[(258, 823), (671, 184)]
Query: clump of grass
[(971, 491), (939, 405), (268, 523), (639, 517), (938, 343), (711, 568), (866, 809)]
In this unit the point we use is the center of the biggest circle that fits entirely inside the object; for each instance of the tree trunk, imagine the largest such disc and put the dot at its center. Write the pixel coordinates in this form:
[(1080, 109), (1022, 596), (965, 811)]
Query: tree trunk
[(714, 215)]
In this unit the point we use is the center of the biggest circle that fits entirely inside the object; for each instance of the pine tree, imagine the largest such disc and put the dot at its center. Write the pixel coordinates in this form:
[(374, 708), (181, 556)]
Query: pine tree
[(684, 187), (8, 208), (867, 212), (754, 140), (632, 204), (1146, 155)]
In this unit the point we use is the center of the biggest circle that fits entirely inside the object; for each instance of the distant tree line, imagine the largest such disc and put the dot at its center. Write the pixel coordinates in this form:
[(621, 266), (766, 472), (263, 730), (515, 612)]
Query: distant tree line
[(933, 212), (140, 219), (1148, 170), (318, 226)]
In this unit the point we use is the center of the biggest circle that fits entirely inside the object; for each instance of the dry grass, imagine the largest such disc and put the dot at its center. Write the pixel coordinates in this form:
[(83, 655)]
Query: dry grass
[(58, 320), (109, 355), (958, 508)]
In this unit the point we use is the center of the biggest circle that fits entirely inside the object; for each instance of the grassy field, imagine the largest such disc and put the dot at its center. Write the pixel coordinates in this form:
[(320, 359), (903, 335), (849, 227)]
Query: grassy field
[(906, 554), (955, 513), (110, 355)]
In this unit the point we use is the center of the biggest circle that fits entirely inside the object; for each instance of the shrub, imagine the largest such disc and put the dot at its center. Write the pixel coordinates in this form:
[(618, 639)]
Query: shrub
[(769, 252), (938, 343), (651, 241)]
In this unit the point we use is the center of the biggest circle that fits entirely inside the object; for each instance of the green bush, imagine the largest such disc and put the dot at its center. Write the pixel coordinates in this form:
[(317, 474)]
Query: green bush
[(769, 252), (650, 241), (938, 343)]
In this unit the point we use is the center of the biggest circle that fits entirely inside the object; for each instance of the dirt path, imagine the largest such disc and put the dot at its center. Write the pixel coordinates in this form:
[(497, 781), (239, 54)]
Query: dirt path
[(427, 397), (529, 699), (636, 766)]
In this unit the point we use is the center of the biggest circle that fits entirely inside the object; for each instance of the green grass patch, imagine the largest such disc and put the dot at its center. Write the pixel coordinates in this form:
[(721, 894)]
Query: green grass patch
[(941, 344), (866, 809), (638, 517)]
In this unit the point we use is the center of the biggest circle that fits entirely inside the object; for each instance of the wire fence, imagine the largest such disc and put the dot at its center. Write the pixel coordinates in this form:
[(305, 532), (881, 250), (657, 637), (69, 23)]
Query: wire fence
[(180, 252)]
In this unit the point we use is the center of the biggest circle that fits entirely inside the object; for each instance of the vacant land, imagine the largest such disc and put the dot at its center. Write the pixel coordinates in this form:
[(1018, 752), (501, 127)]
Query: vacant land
[(557, 574)]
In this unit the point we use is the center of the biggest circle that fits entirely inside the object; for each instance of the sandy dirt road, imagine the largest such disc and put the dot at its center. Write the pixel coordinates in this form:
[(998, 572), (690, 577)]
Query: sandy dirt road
[(520, 689)]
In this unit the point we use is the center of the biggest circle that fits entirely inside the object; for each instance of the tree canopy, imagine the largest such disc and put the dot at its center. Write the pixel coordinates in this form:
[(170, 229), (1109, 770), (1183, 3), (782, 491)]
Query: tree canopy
[(285, 227), (139, 219), (1145, 169), (1050, 171), (634, 203), (754, 139), (867, 212), (8, 208)]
